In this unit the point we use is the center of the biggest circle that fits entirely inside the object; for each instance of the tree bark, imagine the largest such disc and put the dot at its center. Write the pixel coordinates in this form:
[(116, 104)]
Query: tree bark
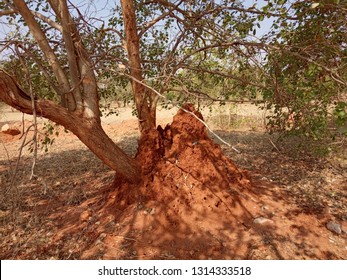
[(143, 97), (64, 85), (89, 131), (80, 64)]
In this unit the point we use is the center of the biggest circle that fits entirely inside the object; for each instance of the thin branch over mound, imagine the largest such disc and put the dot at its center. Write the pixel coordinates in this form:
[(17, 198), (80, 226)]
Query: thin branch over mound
[(183, 109)]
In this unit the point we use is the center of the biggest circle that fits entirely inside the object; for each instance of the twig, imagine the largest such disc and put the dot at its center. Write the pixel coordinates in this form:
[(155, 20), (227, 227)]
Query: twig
[(273, 144), (23, 124), (33, 106), (35, 129), (126, 238), (178, 106), (205, 124), (7, 154), (20, 155)]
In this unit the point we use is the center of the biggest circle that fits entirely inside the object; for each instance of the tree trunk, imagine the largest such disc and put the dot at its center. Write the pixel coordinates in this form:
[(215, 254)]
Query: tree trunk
[(144, 98), (89, 131)]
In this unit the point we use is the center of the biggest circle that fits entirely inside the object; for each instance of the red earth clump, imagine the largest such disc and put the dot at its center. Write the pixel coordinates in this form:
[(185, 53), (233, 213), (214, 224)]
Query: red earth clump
[(181, 161)]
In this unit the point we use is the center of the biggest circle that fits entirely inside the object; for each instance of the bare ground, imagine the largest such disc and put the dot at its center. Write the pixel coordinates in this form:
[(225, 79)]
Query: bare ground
[(60, 214)]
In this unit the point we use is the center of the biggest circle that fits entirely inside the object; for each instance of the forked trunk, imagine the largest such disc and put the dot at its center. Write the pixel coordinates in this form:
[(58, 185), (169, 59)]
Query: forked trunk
[(88, 130)]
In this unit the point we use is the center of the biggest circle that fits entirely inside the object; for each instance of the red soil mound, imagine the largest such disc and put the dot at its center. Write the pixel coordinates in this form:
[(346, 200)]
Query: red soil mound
[(188, 184), (181, 160)]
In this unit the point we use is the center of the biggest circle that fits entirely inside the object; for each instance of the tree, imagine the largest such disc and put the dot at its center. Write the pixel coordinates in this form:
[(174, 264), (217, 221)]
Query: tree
[(162, 45), (56, 46)]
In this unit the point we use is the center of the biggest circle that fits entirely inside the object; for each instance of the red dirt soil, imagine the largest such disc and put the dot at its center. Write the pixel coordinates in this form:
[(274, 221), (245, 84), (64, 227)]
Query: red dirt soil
[(194, 203)]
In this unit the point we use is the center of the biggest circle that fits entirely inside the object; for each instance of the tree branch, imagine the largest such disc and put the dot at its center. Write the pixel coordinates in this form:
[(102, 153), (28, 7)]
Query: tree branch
[(7, 12), (148, 25), (36, 14), (44, 46), (47, 20)]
